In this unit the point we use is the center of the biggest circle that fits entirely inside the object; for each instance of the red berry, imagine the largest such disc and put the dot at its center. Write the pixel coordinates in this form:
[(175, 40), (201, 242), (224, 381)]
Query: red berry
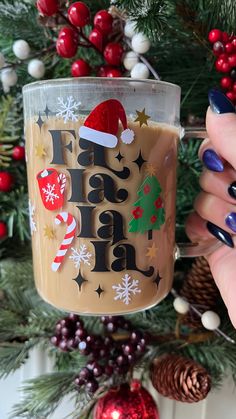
[(103, 21), (18, 152), (113, 72), (66, 46), (80, 69), (226, 83), (6, 181), (231, 96), (103, 70), (67, 32), (96, 38), (218, 48), (225, 37), (234, 87), (232, 60), (3, 230), (225, 68), (234, 42), (79, 14), (47, 7), (113, 53), (215, 35), (229, 48)]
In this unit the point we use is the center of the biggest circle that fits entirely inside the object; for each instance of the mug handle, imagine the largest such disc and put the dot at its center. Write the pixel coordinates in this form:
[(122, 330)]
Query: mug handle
[(205, 247)]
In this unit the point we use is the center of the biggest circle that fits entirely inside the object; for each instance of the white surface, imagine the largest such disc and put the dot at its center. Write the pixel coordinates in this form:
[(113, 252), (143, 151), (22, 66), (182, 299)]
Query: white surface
[(220, 404)]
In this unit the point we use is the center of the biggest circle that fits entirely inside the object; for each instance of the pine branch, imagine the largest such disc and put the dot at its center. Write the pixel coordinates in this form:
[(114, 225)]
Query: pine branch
[(43, 394), (13, 355)]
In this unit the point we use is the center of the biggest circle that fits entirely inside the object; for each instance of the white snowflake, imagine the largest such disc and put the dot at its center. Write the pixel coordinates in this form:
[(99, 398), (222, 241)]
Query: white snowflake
[(49, 193), (31, 217), (123, 291), (67, 108), (80, 256)]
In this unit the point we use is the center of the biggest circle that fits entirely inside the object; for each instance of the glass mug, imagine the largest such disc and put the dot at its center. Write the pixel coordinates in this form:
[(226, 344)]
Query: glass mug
[(101, 166)]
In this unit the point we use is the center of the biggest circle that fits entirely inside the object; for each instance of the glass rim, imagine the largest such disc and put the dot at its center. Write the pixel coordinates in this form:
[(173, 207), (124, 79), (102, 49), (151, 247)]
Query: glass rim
[(77, 80)]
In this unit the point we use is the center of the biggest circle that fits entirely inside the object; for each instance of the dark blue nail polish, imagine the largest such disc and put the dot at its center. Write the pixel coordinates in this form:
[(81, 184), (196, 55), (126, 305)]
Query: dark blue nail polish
[(230, 221), (220, 234), (212, 161), (232, 190), (219, 103)]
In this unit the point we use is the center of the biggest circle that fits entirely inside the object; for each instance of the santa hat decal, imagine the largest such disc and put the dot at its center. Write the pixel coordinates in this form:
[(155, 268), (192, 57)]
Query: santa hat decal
[(102, 124)]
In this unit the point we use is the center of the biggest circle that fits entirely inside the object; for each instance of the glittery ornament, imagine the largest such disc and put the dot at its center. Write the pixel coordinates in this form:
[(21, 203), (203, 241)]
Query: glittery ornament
[(133, 402)]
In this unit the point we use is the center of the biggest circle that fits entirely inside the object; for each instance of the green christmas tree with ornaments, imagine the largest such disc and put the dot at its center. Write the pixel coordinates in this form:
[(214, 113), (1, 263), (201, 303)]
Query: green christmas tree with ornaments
[(105, 363)]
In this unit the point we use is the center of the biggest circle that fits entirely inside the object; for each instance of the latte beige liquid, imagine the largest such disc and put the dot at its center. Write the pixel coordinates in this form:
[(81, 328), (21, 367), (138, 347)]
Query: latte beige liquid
[(158, 147)]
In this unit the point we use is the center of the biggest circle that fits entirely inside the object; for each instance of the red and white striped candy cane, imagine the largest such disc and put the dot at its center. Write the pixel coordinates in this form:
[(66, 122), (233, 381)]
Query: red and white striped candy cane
[(62, 181), (67, 218)]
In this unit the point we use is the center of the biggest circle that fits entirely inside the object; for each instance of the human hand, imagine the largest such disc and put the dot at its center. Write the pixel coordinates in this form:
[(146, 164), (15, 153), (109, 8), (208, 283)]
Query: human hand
[(215, 206)]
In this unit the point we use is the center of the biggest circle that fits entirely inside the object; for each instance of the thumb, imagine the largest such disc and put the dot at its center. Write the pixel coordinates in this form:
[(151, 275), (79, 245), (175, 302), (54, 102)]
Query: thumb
[(221, 126)]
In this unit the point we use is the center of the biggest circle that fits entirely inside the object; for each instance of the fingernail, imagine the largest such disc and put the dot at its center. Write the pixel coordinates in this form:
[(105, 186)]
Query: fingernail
[(219, 103), (220, 234), (230, 221), (232, 190), (212, 161)]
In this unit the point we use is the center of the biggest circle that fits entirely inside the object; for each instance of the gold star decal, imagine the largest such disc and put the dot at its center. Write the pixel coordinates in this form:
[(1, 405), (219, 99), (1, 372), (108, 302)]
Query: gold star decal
[(151, 252), (40, 151), (48, 232), (142, 118), (151, 171)]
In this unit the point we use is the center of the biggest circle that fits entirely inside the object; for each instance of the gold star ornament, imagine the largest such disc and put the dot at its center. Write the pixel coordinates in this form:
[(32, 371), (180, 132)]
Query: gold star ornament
[(142, 117), (40, 151), (48, 232), (151, 252), (150, 170)]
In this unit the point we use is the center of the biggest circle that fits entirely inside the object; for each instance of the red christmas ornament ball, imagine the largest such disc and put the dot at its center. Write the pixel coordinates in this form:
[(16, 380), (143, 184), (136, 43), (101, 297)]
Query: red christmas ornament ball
[(48, 7), (3, 230), (79, 14), (123, 403), (18, 152), (215, 35), (113, 72), (229, 48), (226, 83), (103, 21), (96, 38), (113, 53), (67, 43), (80, 69), (6, 181)]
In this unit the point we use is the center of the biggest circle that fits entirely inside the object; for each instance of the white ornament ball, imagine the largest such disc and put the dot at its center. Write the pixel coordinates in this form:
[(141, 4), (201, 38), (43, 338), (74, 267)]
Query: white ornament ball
[(181, 305), (2, 60), (129, 29), (36, 69), (21, 49), (140, 43), (8, 77), (130, 59), (210, 320), (140, 71)]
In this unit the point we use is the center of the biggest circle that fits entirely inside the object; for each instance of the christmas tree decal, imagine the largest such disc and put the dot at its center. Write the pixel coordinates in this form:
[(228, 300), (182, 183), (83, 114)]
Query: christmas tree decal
[(149, 213)]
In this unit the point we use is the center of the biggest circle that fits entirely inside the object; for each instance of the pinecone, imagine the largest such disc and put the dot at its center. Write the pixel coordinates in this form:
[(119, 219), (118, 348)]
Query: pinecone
[(180, 379), (199, 289)]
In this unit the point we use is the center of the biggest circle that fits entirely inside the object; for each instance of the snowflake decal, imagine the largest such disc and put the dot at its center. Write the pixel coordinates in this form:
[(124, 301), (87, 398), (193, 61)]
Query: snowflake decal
[(49, 193), (31, 217), (67, 108), (80, 256), (126, 289)]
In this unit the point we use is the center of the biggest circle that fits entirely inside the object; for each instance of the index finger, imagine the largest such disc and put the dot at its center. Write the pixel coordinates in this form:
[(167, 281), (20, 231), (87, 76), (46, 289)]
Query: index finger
[(221, 129)]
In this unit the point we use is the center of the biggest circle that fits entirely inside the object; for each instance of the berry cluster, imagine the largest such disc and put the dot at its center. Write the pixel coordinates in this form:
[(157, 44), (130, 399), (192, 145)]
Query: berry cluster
[(72, 36), (224, 48), (107, 356)]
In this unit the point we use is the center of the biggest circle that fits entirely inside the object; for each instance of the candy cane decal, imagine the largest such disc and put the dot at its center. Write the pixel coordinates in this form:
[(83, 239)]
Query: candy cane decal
[(67, 218), (62, 182)]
